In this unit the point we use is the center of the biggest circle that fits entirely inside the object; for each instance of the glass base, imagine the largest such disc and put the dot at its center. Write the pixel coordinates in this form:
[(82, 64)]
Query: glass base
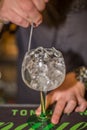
[(40, 123)]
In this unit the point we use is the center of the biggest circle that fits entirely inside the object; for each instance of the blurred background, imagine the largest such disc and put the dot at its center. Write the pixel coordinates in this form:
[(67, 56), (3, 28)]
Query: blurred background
[(8, 64)]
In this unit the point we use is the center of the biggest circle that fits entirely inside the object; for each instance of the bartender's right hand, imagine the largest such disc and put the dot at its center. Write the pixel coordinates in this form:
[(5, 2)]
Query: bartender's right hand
[(22, 12)]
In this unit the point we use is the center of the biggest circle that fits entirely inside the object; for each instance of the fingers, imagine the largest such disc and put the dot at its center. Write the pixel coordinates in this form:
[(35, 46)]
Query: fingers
[(70, 106), (33, 10), (33, 14), (23, 12), (38, 111), (82, 105), (58, 111), (40, 6), (18, 20), (29, 12), (48, 103)]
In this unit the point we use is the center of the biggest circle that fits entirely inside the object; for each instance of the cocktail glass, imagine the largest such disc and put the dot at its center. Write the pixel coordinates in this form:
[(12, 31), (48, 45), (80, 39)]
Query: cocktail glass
[(43, 69)]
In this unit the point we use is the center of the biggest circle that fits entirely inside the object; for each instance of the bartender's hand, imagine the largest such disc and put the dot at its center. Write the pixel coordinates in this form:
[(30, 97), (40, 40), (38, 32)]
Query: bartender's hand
[(68, 97), (22, 12)]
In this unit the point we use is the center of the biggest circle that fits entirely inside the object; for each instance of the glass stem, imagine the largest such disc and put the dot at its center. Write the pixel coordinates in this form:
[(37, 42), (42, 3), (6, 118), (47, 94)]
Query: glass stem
[(43, 103)]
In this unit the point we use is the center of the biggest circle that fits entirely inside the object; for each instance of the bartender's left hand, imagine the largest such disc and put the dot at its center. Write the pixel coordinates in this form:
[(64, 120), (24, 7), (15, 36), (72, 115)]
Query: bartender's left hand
[(69, 97)]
